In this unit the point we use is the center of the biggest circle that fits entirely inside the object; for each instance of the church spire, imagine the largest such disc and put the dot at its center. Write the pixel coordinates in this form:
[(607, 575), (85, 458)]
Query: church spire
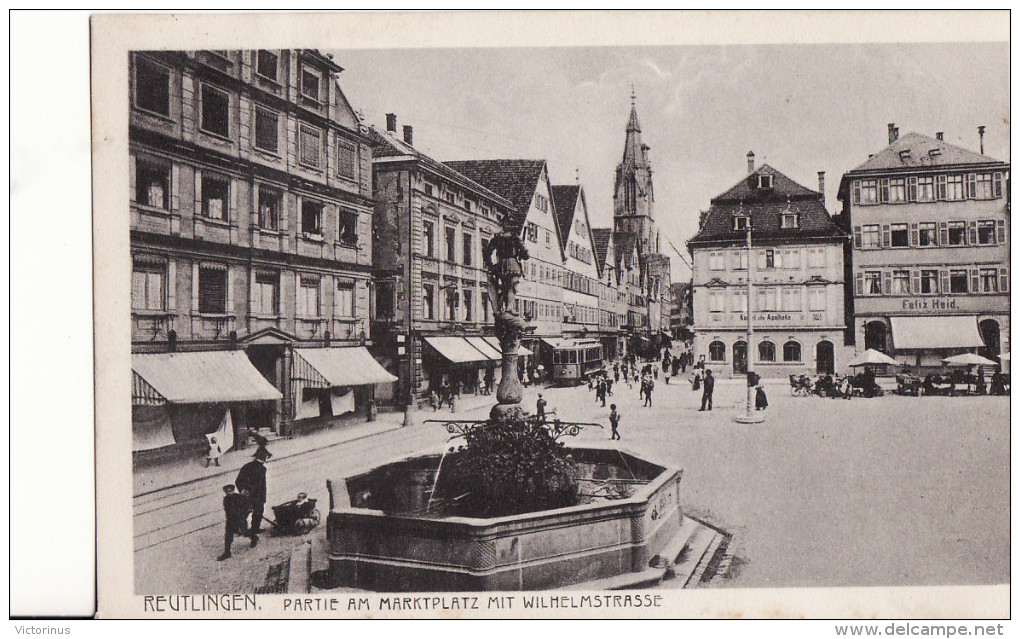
[(634, 196)]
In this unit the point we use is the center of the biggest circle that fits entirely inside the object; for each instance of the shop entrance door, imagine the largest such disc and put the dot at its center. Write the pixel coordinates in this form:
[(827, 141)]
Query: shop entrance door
[(740, 358)]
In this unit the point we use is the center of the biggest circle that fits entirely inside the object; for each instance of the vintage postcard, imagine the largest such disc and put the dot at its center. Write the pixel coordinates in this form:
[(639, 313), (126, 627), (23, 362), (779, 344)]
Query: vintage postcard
[(553, 314)]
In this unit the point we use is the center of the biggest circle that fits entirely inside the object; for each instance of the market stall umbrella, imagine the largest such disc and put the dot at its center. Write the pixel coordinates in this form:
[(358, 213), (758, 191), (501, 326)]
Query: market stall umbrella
[(967, 359), (871, 356)]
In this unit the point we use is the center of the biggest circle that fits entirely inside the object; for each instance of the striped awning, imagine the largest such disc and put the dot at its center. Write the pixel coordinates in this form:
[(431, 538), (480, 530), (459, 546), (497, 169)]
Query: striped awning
[(486, 348), (951, 331), (350, 366), (493, 342), (196, 378), (457, 350)]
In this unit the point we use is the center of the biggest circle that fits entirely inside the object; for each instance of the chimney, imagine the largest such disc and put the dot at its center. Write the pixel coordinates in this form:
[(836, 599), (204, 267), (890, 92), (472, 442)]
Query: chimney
[(408, 135), (981, 138), (821, 183), (893, 132), (391, 122), (939, 135), (750, 162)]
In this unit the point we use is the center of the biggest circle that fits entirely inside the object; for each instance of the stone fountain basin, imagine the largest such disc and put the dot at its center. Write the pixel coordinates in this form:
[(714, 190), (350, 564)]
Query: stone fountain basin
[(375, 544)]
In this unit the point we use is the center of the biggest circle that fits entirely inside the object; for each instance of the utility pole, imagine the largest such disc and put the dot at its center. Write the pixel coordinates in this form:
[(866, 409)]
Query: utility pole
[(751, 417)]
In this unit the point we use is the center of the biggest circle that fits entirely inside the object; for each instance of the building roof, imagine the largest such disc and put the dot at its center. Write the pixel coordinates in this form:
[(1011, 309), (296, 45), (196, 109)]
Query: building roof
[(565, 200), (516, 180), (765, 207), (602, 238), (388, 145), (914, 150)]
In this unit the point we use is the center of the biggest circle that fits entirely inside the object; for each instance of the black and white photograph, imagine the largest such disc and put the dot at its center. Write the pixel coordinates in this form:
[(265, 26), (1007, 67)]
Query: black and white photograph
[(580, 326)]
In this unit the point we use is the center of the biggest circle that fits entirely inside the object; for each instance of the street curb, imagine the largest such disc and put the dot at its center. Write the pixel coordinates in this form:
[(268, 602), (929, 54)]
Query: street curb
[(288, 456)]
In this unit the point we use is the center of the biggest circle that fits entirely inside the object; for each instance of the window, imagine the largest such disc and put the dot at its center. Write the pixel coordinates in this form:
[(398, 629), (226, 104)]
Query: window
[(770, 258), (308, 296), (215, 111), (347, 157), (989, 280), (764, 181), (816, 298), (986, 232), (872, 282), (467, 205), (925, 189), (212, 290), (941, 187), (344, 298), (970, 185), (450, 197), (997, 185), (869, 192), (266, 63), (541, 203), (265, 296), (900, 236), (740, 262), (954, 190), (266, 129), (766, 352), (428, 239), (983, 186), (310, 142), (738, 301), (152, 87), (901, 282), (897, 190), (740, 222), (716, 262), (451, 304), (715, 301), (347, 227), (929, 282), (148, 287), (717, 351), (791, 299), (468, 305), (927, 234), (468, 240), (451, 244), (767, 299), (429, 301), (215, 198), (269, 208), (531, 231), (152, 184), (871, 236), (428, 190), (310, 80), (957, 233), (958, 281), (790, 220), (548, 238), (311, 217), (791, 352), (485, 307), (816, 257)]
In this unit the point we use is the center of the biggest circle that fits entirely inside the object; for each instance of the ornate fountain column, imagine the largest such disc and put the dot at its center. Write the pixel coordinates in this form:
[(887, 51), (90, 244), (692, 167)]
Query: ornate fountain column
[(504, 275)]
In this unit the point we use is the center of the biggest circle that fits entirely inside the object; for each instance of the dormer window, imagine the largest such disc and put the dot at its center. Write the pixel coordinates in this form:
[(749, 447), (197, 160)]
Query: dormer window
[(790, 221), (740, 222), (905, 155), (934, 152), (764, 181)]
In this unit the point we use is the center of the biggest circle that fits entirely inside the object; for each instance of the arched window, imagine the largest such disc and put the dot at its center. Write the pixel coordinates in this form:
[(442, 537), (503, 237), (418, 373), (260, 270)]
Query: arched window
[(791, 351), (717, 352), (766, 352)]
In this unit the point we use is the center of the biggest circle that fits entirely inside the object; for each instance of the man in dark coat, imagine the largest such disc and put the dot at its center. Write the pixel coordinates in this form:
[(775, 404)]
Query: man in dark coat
[(252, 479), (706, 394), (236, 507)]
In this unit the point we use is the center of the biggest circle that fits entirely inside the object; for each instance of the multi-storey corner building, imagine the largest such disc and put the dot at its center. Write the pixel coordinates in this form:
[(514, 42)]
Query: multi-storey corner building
[(798, 311), (930, 224), (251, 219), (433, 317), (540, 295)]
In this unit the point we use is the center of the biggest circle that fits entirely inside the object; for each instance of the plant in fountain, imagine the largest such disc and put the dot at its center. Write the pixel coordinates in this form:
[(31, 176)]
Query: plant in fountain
[(513, 463)]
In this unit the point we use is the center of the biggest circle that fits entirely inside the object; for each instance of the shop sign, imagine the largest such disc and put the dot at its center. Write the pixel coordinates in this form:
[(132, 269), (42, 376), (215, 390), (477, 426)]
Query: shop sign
[(931, 304)]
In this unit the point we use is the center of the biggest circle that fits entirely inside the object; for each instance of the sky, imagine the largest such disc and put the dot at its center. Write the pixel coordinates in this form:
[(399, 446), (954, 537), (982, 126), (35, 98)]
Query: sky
[(800, 108)]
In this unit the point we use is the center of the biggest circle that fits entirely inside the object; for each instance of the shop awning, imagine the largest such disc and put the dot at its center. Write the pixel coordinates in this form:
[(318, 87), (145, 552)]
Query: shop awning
[(457, 350), (486, 348), (570, 343), (351, 366), (957, 331), (201, 377), (493, 342)]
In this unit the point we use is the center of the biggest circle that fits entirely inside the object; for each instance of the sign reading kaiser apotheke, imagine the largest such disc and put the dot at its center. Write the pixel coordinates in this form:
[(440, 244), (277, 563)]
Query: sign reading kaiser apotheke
[(783, 318)]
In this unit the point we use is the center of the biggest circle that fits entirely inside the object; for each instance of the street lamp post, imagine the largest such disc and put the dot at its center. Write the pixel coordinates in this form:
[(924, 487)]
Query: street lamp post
[(751, 417)]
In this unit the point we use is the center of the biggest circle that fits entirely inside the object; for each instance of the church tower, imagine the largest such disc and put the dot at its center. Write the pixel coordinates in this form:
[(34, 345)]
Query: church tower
[(633, 196)]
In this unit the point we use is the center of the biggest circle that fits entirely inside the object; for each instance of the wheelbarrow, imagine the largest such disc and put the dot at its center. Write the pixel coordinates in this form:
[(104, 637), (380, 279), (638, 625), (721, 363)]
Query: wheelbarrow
[(296, 517)]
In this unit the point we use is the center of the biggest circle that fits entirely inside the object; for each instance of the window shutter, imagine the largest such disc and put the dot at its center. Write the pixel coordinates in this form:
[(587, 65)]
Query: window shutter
[(194, 287), (1004, 280), (859, 283), (857, 192), (944, 276), (734, 260), (975, 285), (198, 194), (251, 292), (886, 282), (230, 292), (943, 234), (997, 185), (883, 190), (761, 260), (857, 237), (940, 186), (972, 232), (914, 235), (231, 215), (912, 189), (971, 186), (915, 281), (171, 285), (885, 236), (1001, 231), (175, 188)]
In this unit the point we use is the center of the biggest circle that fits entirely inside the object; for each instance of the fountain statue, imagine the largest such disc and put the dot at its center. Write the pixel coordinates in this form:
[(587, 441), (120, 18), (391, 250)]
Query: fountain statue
[(504, 275)]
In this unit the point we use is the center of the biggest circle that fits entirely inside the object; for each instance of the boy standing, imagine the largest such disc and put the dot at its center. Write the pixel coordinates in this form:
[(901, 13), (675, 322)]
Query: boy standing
[(236, 508), (614, 421)]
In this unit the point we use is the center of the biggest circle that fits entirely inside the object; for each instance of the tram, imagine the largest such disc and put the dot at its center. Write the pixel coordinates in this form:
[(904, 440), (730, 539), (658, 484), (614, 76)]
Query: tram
[(573, 361)]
